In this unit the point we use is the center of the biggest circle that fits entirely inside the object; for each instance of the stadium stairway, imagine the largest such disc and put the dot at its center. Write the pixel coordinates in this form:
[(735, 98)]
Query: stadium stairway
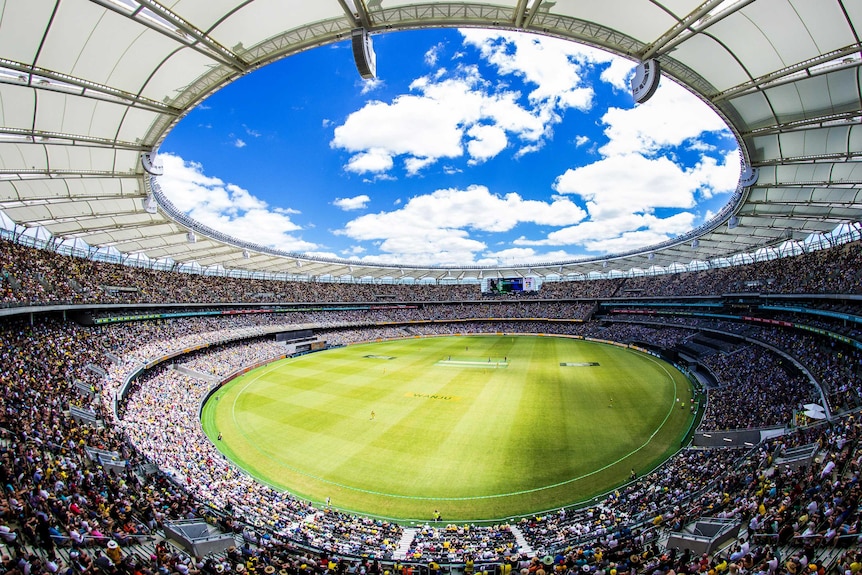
[(404, 544), (523, 546)]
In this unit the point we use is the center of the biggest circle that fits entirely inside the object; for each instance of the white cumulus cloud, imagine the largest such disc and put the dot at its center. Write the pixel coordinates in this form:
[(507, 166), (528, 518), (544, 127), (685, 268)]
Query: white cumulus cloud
[(636, 190), (433, 54), (453, 113), (415, 165), (429, 225), (629, 184), (350, 204), (370, 85), (486, 142), (670, 118), (228, 208), (414, 125), (639, 175), (373, 160), (618, 74), (554, 67)]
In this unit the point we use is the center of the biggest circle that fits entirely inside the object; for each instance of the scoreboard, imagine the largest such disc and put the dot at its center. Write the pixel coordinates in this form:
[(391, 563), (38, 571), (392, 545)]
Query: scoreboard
[(510, 285)]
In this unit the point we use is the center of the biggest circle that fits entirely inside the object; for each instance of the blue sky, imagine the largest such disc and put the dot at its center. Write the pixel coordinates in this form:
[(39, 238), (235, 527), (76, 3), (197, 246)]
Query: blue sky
[(470, 147)]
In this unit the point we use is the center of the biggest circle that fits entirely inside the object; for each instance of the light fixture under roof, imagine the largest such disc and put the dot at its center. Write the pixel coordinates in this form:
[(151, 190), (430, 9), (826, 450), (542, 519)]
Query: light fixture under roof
[(749, 176), (151, 164), (645, 81), (151, 206), (363, 53)]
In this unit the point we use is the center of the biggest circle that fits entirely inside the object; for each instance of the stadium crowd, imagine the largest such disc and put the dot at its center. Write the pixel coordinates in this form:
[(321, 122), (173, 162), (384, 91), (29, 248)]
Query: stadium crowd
[(836, 366), (215, 363), (758, 386), (33, 276)]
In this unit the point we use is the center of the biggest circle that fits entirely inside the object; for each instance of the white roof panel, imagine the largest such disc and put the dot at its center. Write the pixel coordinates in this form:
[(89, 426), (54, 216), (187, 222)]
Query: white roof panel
[(72, 228), (127, 161), (743, 38), (67, 114), (725, 71), (137, 62), (853, 10), (256, 22), (112, 66), (22, 157), (21, 27), (203, 13), (650, 22), (753, 109), (135, 124), (787, 33), (826, 24), (26, 190), (66, 43), (103, 121), (16, 106), (68, 158), (163, 83), (54, 188)]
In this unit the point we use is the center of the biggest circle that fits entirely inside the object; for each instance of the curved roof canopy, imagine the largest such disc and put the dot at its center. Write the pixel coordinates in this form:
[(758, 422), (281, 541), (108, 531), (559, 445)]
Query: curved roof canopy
[(87, 86)]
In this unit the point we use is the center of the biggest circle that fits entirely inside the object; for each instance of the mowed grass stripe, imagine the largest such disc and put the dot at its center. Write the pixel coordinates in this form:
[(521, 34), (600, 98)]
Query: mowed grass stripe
[(493, 443)]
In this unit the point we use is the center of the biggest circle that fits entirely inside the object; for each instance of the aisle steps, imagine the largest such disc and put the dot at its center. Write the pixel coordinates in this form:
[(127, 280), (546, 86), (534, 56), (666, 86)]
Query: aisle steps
[(404, 544), (523, 546)]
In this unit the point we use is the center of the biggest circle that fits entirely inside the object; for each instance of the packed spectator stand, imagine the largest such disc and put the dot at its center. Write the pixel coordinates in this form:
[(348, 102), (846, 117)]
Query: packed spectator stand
[(63, 511), (34, 277)]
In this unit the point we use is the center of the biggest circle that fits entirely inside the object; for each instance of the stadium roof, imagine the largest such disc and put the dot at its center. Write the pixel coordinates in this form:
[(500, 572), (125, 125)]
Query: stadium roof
[(87, 86)]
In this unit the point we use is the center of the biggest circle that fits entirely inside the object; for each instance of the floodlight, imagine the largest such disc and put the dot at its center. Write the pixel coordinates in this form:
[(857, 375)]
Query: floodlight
[(749, 176), (151, 206), (363, 53), (645, 81), (152, 164)]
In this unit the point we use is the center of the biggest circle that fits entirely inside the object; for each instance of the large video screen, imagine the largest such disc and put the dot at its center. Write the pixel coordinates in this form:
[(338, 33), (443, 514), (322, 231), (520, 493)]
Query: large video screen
[(510, 285), (295, 335)]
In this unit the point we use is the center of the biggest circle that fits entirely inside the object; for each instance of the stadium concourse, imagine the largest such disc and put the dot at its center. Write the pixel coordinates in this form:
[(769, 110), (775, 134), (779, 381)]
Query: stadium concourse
[(761, 354)]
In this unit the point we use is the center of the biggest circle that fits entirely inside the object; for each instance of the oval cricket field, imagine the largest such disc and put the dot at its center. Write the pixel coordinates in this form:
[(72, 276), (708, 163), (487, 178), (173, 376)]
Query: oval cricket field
[(484, 427)]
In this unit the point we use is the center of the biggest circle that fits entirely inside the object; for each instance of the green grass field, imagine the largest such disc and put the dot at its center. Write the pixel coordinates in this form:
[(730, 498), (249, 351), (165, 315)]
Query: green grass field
[(477, 427)]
